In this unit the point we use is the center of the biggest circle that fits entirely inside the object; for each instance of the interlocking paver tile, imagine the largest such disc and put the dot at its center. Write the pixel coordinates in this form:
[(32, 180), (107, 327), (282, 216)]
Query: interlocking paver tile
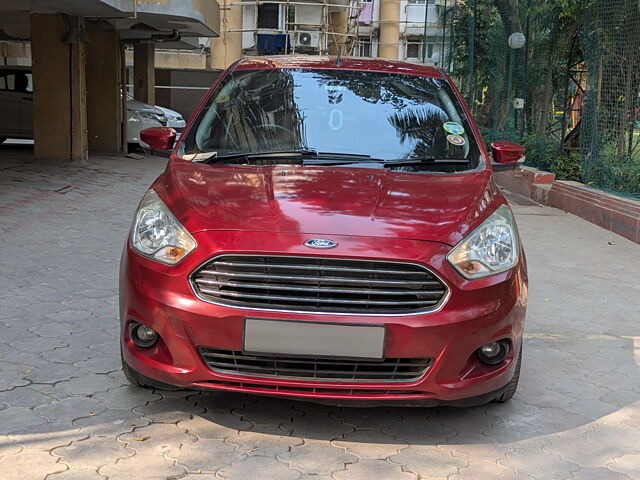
[(428, 461), (258, 467), (317, 457), (112, 422), (147, 466), (156, 438), (92, 452), (582, 449), (214, 427), (70, 408), (29, 464), (18, 419), (268, 442), (317, 426), (628, 463), (479, 469), (169, 410), (368, 469), (72, 474), (371, 444), (205, 456)]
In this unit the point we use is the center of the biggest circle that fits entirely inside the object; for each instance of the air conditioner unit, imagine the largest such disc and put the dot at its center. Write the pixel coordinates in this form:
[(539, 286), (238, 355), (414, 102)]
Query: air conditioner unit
[(307, 40)]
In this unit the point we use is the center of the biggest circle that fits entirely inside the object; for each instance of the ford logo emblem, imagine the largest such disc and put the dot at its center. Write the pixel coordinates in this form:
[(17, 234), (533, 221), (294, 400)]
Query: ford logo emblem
[(320, 243)]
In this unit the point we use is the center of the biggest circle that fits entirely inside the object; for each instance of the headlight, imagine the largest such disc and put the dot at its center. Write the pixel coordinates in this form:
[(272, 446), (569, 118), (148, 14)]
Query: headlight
[(156, 233), (489, 249), (156, 117)]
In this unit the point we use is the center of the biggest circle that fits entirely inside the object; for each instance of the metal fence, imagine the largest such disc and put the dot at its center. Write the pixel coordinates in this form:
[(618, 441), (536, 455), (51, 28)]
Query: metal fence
[(560, 76)]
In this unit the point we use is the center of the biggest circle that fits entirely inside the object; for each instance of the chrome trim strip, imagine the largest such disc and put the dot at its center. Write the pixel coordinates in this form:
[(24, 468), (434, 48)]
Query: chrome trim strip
[(435, 308)]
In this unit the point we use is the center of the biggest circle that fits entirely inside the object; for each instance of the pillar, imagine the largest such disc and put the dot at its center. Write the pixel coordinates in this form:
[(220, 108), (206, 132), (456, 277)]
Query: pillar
[(227, 48), (339, 24), (104, 105), (59, 88), (144, 73), (389, 29)]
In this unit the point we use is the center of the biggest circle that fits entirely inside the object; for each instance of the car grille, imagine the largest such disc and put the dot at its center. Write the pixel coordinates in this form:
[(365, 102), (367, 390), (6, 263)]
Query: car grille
[(319, 284), (316, 369)]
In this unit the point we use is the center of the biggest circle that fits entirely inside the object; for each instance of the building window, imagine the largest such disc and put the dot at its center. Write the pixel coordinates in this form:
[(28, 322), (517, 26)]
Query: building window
[(413, 48), (364, 47), (269, 15)]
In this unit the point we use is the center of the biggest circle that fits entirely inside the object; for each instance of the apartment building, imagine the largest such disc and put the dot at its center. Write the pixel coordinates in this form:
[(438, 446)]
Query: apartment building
[(413, 30)]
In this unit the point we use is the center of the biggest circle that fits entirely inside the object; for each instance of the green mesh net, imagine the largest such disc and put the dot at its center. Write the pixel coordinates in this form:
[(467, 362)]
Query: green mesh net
[(571, 94)]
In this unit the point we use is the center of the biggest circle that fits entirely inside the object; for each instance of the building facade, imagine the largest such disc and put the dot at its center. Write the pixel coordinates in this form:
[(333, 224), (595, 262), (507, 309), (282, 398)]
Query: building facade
[(410, 30)]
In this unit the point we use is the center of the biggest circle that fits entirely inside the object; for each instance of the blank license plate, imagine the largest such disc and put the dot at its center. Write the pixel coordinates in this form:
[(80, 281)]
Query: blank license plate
[(313, 339)]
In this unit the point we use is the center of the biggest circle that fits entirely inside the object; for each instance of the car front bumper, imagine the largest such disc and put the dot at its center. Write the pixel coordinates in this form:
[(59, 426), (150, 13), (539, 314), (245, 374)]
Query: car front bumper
[(475, 313)]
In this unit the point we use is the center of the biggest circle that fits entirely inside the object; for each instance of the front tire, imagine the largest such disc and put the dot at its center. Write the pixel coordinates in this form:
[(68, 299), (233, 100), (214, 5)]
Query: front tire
[(129, 373), (512, 386)]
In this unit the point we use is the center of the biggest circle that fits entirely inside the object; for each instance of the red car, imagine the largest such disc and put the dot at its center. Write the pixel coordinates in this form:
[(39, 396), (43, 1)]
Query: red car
[(327, 229)]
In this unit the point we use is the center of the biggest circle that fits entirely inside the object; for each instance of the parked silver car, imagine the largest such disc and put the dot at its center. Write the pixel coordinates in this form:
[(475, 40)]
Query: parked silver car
[(16, 103)]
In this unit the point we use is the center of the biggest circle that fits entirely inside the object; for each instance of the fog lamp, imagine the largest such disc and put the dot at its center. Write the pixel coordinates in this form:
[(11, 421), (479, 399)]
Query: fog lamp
[(142, 335), (494, 353)]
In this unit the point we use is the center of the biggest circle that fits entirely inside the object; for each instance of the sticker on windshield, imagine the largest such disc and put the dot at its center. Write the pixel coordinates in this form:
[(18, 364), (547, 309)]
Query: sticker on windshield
[(453, 128), (456, 140)]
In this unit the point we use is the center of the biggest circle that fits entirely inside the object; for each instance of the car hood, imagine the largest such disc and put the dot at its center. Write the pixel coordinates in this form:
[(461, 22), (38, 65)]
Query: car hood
[(138, 106), (325, 201), (168, 112)]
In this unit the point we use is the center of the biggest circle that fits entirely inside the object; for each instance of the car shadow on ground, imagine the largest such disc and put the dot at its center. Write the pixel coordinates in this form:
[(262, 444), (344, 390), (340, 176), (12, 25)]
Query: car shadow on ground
[(564, 386)]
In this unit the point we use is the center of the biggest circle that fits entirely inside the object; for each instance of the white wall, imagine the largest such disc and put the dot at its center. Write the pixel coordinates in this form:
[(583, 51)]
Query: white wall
[(248, 23), (308, 14)]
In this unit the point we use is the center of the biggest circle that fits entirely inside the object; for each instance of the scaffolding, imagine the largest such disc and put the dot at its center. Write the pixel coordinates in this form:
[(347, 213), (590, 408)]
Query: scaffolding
[(328, 34), (337, 25)]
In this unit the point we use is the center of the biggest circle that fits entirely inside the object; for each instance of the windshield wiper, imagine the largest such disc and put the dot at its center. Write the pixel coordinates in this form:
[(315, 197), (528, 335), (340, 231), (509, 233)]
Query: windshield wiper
[(307, 155), (260, 155), (425, 161)]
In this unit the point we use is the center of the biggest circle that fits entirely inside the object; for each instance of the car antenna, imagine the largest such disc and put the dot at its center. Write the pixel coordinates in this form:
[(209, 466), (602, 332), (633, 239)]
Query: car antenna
[(339, 58)]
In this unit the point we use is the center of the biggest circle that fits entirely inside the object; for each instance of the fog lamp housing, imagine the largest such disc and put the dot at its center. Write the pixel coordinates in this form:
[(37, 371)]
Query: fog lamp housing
[(493, 353), (142, 336)]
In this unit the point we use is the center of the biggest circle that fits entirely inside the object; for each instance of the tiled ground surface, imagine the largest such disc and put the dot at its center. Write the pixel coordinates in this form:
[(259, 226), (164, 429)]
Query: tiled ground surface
[(66, 412)]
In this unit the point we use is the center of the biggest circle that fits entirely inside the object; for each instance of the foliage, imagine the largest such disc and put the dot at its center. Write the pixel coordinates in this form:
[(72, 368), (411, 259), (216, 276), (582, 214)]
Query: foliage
[(600, 38)]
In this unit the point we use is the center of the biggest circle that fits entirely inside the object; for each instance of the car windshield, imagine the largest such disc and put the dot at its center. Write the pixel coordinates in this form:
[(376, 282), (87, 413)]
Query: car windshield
[(382, 117)]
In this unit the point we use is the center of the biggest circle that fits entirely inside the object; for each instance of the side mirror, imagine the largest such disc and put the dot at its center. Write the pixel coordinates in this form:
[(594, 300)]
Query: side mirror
[(507, 155), (158, 138)]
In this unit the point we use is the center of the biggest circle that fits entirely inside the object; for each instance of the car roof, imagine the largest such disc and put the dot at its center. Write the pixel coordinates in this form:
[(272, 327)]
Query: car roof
[(330, 62)]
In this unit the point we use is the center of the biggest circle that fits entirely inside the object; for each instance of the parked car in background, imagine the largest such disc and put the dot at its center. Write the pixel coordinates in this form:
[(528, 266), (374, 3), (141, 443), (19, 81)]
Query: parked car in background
[(16, 104), (142, 115), (327, 230)]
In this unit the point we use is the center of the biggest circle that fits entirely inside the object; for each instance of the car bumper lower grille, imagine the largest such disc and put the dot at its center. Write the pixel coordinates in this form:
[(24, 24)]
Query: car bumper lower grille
[(390, 370), (319, 284)]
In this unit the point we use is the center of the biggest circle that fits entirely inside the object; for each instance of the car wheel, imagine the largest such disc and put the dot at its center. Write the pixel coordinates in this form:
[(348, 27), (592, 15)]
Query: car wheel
[(129, 374), (512, 386)]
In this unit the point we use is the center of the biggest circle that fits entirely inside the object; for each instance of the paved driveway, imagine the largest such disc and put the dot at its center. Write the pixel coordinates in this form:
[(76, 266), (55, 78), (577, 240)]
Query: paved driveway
[(66, 412)]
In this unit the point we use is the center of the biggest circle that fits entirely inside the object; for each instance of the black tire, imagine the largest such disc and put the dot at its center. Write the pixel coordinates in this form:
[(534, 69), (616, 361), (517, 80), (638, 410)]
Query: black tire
[(512, 386), (129, 375)]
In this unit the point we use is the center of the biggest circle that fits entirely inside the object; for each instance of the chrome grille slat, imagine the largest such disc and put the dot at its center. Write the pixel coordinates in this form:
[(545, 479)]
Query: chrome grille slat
[(205, 281), (318, 284), (317, 279), (391, 370), (313, 267), (322, 300)]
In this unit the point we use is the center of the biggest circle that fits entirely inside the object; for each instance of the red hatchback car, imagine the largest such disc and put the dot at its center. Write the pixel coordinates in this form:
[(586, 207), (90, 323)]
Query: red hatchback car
[(327, 229)]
